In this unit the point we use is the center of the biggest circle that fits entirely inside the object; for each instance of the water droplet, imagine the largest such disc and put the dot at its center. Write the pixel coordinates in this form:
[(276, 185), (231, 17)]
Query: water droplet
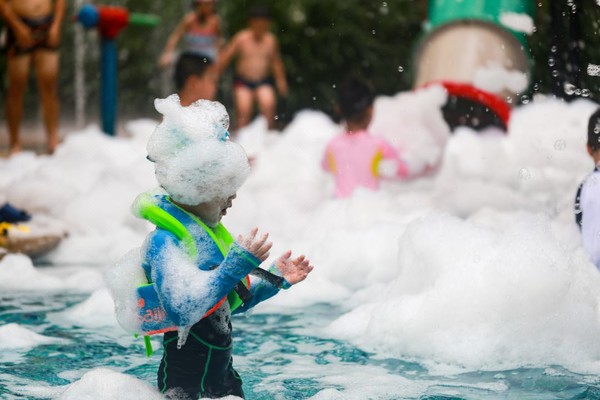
[(400, 68), (524, 174), (560, 145), (524, 99), (383, 9), (276, 117), (569, 88), (593, 70), (551, 62), (585, 93), (373, 31)]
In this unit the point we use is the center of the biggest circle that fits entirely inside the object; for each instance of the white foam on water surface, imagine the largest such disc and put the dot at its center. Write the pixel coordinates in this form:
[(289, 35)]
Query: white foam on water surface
[(478, 266)]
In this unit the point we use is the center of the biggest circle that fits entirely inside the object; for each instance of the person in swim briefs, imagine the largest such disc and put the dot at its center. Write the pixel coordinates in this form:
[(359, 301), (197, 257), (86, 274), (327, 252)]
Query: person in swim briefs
[(258, 68), (34, 29)]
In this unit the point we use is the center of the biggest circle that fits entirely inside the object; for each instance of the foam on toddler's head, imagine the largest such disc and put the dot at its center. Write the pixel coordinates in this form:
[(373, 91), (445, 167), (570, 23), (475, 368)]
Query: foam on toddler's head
[(194, 159)]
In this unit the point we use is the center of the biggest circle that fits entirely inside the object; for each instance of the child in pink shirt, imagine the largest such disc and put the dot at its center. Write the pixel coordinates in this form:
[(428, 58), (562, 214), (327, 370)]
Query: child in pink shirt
[(357, 158)]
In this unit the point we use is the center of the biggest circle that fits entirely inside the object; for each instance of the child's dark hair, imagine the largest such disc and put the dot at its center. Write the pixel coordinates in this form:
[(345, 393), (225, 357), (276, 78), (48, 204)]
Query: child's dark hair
[(593, 140), (259, 11), (355, 96), (190, 64)]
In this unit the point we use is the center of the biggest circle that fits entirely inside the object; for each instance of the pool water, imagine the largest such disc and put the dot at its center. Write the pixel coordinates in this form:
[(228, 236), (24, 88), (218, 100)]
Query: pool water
[(280, 356)]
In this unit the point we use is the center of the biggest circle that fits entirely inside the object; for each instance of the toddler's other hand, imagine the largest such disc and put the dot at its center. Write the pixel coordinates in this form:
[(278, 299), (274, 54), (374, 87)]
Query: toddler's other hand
[(293, 270), (258, 246)]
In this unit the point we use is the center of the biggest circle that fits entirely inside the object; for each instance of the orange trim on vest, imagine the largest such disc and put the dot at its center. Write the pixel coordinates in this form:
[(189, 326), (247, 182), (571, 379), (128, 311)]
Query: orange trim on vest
[(216, 306)]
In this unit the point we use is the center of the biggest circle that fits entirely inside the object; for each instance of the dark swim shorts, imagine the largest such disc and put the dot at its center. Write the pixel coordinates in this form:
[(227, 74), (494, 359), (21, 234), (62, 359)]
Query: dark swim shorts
[(39, 30)]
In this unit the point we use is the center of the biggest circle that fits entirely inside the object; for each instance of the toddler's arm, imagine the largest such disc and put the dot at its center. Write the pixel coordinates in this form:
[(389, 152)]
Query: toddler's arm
[(186, 291)]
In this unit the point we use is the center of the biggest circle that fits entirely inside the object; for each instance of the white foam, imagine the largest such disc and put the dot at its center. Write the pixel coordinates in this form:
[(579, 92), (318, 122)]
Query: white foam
[(481, 249), (472, 294), (18, 272), (193, 157), (495, 78), (413, 123), (186, 285), (517, 22), (13, 336), (96, 311), (102, 383), (122, 279)]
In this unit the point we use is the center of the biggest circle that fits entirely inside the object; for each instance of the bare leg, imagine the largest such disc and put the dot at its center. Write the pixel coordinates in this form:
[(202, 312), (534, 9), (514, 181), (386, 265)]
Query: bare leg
[(46, 71), (18, 72), (243, 105), (265, 94)]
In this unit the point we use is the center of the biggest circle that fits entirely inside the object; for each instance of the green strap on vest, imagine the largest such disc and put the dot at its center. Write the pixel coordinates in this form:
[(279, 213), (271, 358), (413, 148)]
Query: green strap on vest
[(222, 238)]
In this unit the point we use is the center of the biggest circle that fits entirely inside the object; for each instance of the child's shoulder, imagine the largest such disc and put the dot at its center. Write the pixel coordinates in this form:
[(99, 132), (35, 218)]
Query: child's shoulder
[(244, 34), (189, 18)]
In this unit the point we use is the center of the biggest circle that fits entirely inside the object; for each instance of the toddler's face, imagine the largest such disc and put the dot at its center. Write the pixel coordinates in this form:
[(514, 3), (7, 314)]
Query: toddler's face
[(211, 212)]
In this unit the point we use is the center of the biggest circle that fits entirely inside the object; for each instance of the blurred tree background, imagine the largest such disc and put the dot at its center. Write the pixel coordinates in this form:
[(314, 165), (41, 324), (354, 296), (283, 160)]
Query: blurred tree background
[(321, 41)]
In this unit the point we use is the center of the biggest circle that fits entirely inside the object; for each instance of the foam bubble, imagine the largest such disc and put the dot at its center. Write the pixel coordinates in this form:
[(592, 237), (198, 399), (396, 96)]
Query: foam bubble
[(495, 78), (102, 383), (186, 285), (96, 311), (517, 22), (482, 296), (14, 336), (193, 158), (122, 279)]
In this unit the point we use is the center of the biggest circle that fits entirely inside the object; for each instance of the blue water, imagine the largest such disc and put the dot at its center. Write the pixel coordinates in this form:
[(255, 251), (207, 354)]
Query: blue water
[(278, 356)]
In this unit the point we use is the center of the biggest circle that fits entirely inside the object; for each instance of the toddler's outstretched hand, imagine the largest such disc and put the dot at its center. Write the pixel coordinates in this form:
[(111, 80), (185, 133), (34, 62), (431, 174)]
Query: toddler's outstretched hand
[(259, 247), (293, 270)]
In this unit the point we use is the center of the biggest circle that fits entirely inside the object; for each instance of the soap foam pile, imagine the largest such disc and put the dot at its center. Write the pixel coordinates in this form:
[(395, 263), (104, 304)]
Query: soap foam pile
[(479, 266), (194, 159)]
